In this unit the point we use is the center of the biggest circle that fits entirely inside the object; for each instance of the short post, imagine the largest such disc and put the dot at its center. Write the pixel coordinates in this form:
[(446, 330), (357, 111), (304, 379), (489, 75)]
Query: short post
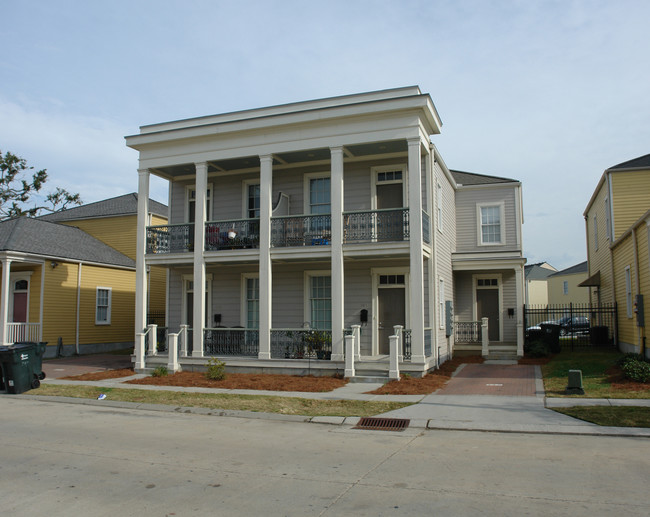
[(575, 383), (393, 372), (484, 337), (349, 356), (397, 329), (139, 351), (153, 338), (172, 346), (356, 332), (183, 333)]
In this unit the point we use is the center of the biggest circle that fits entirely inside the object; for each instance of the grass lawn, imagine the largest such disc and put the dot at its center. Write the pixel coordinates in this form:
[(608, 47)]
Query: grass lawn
[(260, 403), (601, 378), (617, 416)]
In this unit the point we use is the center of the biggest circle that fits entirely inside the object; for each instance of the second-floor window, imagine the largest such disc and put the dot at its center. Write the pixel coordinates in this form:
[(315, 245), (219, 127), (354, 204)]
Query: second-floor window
[(490, 224), (319, 196), (191, 204), (253, 201)]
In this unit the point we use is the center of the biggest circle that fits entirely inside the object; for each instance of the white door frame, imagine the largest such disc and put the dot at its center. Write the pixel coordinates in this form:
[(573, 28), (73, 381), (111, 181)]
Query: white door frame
[(374, 171), (208, 306), (499, 287), (13, 278), (375, 274)]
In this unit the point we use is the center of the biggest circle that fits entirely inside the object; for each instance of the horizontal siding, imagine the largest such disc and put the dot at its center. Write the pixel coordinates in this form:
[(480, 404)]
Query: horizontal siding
[(117, 232), (599, 258), (631, 198), (624, 257), (60, 303)]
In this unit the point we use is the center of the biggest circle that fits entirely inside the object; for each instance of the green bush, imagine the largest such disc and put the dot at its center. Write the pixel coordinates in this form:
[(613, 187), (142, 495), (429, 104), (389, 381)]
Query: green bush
[(638, 371), (216, 370), (160, 371), (629, 357), (537, 349)]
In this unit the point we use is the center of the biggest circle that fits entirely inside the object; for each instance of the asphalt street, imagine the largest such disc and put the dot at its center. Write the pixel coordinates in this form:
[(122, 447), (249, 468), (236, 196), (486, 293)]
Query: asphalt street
[(62, 459)]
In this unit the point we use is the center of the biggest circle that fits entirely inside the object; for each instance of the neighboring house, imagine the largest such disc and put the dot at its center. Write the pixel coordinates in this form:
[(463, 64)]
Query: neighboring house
[(536, 276), (319, 216), (564, 286), (617, 221)]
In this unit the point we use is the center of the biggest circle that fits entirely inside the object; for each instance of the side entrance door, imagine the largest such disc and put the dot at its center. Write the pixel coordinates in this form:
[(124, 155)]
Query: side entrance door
[(487, 306)]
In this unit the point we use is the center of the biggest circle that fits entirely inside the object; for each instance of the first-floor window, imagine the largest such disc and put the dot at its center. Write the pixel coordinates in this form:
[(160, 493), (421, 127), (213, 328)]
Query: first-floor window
[(628, 292), (441, 301), (252, 303), (103, 306), (320, 298)]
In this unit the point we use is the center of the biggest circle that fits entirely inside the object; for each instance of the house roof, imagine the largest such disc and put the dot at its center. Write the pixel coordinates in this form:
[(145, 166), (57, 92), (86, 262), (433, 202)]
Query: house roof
[(471, 178), (116, 206), (583, 267), (642, 162), (44, 238), (537, 272)]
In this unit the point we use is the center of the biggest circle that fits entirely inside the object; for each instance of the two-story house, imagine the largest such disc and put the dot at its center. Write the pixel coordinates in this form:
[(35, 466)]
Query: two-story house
[(295, 230), (617, 220)]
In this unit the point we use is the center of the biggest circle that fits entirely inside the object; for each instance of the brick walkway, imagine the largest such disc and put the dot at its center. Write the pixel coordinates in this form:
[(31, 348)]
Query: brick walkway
[(492, 379), (77, 365)]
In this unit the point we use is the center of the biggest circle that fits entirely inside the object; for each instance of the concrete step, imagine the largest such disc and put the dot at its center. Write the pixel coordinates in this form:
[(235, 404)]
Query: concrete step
[(369, 378)]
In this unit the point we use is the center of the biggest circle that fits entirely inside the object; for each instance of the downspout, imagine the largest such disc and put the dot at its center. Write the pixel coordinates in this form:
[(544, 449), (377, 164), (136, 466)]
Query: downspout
[(637, 281), (76, 343), (40, 316)]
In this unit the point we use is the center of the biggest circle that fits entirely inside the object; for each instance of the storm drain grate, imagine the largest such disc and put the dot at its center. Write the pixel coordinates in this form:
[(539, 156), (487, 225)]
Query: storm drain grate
[(383, 424)]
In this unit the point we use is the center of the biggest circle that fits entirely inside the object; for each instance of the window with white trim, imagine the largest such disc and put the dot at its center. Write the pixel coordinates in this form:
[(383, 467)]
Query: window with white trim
[(596, 231), (191, 204), (252, 302), (439, 205), (628, 292), (565, 287), (608, 225), (252, 200), (441, 302), (103, 306), (319, 196), (490, 224), (320, 301)]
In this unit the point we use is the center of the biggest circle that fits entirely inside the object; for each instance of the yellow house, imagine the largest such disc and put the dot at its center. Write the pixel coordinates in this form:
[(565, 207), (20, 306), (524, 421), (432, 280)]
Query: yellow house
[(63, 285), (617, 222), (564, 286), (536, 277)]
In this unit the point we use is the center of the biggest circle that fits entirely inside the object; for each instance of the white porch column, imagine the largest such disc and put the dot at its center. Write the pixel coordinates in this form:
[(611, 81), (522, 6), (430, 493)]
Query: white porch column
[(393, 371), (265, 267), (140, 266), (198, 318), (4, 303), (416, 284), (485, 340), (337, 278), (519, 276)]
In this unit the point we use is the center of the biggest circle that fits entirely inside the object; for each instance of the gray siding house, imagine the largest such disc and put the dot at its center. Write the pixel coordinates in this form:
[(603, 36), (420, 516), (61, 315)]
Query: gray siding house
[(327, 236)]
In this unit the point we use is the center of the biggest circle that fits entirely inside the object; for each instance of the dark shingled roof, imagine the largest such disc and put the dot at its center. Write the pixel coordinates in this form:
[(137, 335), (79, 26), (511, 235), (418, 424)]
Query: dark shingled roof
[(37, 237), (642, 162), (583, 267), (537, 272), (470, 178), (121, 205)]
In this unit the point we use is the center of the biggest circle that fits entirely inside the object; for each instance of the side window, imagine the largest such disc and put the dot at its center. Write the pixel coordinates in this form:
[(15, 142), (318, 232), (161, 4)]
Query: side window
[(596, 231), (439, 205), (103, 306), (490, 221)]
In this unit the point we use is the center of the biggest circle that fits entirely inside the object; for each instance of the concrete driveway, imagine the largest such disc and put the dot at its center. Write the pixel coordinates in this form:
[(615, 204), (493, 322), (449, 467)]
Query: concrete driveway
[(77, 365)]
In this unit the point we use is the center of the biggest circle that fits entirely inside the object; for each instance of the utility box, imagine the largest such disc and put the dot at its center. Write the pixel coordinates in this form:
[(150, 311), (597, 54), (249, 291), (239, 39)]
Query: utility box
[(449, 318), (575, 383), (638, 309)]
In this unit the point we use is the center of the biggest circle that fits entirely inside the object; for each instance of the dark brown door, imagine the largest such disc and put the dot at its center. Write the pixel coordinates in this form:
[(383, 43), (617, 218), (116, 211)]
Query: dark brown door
[(487, 306), (391, 312), (390, 225)]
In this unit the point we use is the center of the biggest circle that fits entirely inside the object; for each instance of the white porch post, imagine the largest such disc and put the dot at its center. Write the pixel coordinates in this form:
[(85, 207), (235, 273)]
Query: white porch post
[(4, 303), (485, 340), (393, 371), (153, 338), (519, 275), (416, 283), (349, 357), (140, 267), (198, 318), (337, 278), (265, 266)]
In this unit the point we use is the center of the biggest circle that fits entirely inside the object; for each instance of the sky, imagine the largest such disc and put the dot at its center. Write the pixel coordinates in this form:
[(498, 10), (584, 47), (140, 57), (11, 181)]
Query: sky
[(547, 92)]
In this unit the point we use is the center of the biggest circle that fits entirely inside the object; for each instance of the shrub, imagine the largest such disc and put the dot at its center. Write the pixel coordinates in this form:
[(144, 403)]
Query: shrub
[(537, 349), (638, 371), (160, 371), (629, 357), (216, 370)]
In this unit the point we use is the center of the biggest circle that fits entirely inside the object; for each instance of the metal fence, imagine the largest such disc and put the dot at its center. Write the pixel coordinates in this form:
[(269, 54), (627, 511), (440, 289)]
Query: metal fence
[(301, 344), (231, 341), (580, 325), (376, 225)]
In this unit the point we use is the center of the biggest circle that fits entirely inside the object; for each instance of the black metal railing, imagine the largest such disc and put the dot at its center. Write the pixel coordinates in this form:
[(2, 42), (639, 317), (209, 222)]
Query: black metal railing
[(376, 225), (467, 332), (580, 325), (303, 230), (231, 341), (233, 234), (170, 238), (406, 343), (301, 344), (426, 228)]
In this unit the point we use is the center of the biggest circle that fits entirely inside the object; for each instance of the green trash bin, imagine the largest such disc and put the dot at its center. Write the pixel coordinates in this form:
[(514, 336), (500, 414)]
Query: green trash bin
[(551, 336), (39, 350), (18, 368)]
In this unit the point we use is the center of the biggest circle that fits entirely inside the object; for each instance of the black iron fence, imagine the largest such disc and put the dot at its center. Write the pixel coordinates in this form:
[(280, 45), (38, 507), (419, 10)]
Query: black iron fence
[(301, 344), (376, 225), (231, 341), (578, 325)]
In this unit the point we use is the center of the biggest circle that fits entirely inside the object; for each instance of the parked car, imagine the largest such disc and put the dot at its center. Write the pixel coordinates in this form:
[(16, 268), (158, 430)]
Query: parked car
[(568, 325)]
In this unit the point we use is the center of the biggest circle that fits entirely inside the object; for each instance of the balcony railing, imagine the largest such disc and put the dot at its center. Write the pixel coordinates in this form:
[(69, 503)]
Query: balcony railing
[(301, 344), (376, 225), (170, 238), (233, 234), (231, 341), (303, 230), (17, 332), (467, 331)]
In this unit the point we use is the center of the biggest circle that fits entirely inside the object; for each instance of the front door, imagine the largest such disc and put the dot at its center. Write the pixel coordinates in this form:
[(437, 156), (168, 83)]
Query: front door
[(391, 312), (487, 306)]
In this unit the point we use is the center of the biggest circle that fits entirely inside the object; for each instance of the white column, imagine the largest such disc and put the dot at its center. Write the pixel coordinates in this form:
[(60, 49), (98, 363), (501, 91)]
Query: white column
[(152, 331), (172, 358), (198, 318), (349, 357), (416, 284), (140, 266), (338, 283), (485, 340), (4, 303), (519, 276), (356, 332), (393, 371), (265, 271)]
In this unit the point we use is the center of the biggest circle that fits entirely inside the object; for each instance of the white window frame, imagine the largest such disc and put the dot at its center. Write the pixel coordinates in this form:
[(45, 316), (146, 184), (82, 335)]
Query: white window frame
[(245, 186), (595, 218), (439, 206), (307, 293), (209, 204), (565, 287), (107, 321), (243, 320), (628, 293), (502, 223), (608, 219), (441, 302), (307, 190), (374, 174)]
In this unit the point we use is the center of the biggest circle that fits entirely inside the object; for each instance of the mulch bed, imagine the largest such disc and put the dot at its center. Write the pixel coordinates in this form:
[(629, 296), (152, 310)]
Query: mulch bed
[(618, 381), (100, 376), (247, 381)]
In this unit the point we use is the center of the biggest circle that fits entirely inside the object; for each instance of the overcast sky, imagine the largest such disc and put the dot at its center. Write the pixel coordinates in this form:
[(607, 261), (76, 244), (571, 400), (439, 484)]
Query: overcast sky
[(547, 92)]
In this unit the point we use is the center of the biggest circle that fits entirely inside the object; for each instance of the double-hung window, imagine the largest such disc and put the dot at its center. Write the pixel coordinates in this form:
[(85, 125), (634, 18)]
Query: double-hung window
[(252, 302), (103, 306), (490, 219), (320, 300), (253, 201)]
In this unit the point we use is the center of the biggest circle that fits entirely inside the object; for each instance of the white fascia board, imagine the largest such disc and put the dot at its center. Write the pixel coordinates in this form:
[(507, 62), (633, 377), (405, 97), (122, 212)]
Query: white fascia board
[(483, 186), (28, 258)]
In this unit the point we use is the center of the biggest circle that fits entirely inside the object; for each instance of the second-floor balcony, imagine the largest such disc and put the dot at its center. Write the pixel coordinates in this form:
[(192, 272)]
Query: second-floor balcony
[(376, 225)]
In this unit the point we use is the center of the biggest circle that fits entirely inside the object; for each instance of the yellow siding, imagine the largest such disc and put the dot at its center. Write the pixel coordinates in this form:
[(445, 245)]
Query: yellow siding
[(642, 235), (158, 288), (623, 258), (35, 295), (631, 198), (599, 257), (575, 294), (117, 232), (60, 303)]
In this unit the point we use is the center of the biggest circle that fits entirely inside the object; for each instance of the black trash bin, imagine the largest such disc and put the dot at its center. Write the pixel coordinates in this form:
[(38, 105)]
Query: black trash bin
[(39, 350), (599, 335), (18, 368), (551, 336)]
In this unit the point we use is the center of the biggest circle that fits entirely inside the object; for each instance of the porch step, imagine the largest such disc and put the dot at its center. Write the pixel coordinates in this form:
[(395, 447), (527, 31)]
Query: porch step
[(383, 379), (502, 353)]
